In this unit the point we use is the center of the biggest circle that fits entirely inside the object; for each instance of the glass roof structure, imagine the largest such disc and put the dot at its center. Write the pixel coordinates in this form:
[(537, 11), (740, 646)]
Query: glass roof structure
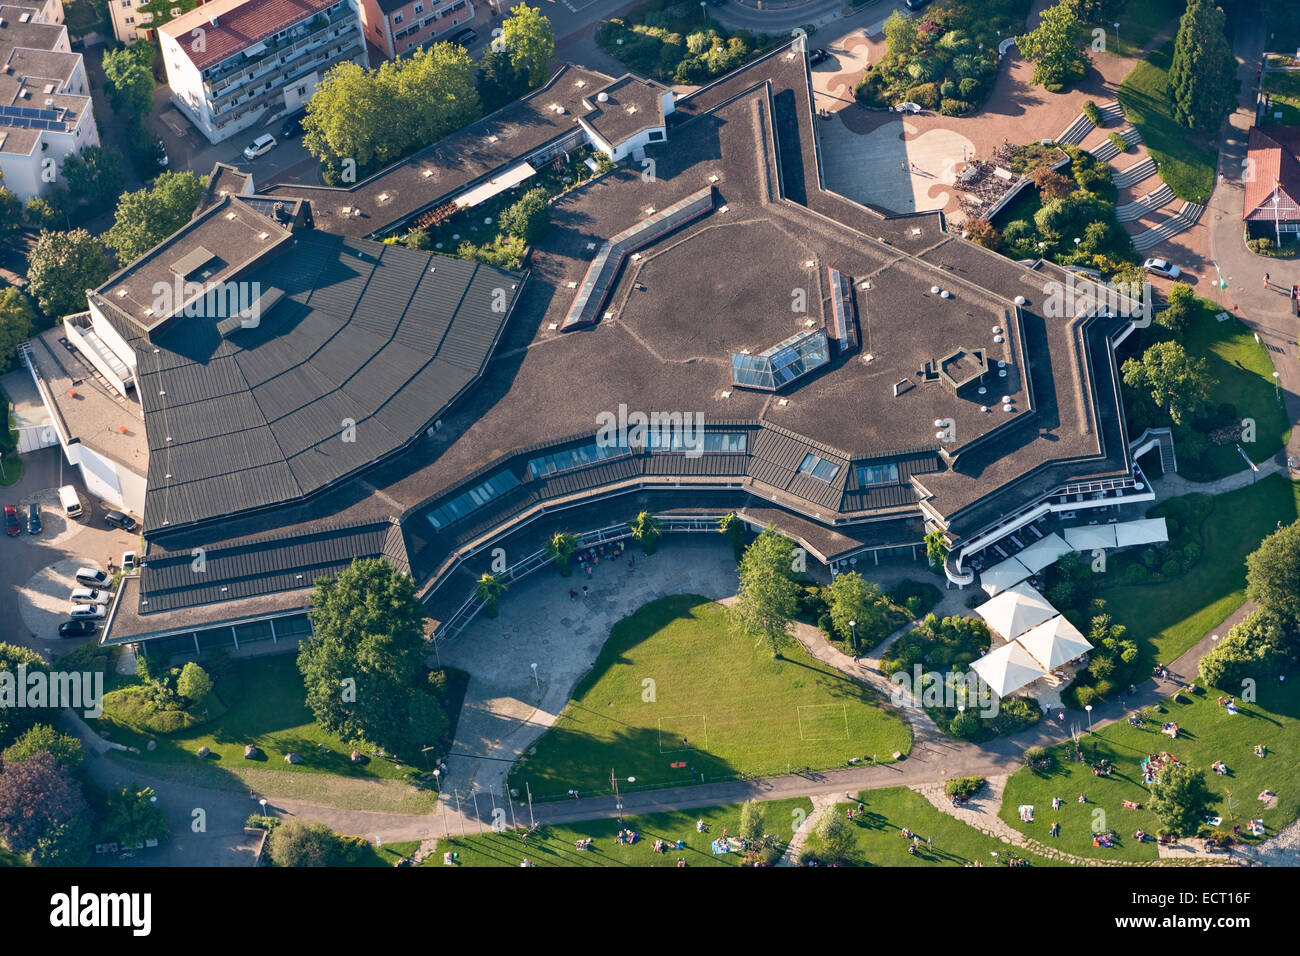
[(782, 363)]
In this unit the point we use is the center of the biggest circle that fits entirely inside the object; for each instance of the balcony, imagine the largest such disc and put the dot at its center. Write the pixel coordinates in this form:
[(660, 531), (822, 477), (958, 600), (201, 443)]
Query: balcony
[(236, 72)]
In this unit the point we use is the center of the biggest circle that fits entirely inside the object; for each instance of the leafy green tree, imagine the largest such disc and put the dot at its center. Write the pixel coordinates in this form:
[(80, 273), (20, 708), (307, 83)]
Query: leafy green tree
[(964, 725), (560, 548), (1179, 797), (129, 83), (1177, 383), (41, 804), (303, 844), (11, 211), (67, 750), (901, 38), (1182, 306), (936, 550), (528, 217), (16, 318), (1203, 75), (1254, 646), (435, 89), (852, 597), (835, 835), (1273, 575), (489, 591), (1055, 47), (499, 81), (146, 217), (95, 175), (529, 38), (132, 818), (768, 596), (647, 529), (1104, 12), (14, 720), (193, 683), (42, 213), (733, 526), (361, 665), (752, 824)]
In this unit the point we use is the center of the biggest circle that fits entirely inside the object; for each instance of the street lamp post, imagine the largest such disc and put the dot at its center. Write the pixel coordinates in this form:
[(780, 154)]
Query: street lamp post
[(1088, 708), (262, 802), (1117, 50), (853, 631)]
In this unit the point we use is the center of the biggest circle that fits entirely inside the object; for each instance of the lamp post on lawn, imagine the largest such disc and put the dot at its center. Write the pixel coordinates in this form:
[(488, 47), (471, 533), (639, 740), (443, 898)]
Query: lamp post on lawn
[(853, 631), (262, 802), (1088, 708), (1117, 52)]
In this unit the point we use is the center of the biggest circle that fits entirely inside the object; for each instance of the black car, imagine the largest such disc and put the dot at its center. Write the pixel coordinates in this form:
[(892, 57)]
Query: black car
[(917, 4), (817, 56), (33, 518), (292, 124), (465, 37), (119, 520), (78, 628)]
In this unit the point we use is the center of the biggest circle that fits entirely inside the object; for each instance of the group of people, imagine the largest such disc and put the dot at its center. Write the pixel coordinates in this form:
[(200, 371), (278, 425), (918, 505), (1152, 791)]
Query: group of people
[(1219, 767), (1229, 703), (1101, 768), (1171, 729), (1152, 764), (583, 844), (628, 836)]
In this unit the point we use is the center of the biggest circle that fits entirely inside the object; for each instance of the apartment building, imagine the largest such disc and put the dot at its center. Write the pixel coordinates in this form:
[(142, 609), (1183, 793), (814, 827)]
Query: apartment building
[(45, 106), (137, 19), (235, 64), (399, 27)]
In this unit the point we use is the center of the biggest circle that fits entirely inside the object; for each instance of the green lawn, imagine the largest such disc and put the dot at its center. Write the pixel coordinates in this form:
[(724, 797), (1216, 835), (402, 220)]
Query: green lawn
[(266, 708), (1285, 90), (675, 670), (1207, 733), (879, 839), (1186, 161), (388, 854), (1139, 24), (554, 845), (1243, 373), (1167, 619)]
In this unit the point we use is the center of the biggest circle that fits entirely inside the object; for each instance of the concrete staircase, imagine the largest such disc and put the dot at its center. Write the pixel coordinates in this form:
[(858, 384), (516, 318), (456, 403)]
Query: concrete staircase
[(1147, 204), (1108, 150), (1139, 171), (1077, 132), (1184, 220)]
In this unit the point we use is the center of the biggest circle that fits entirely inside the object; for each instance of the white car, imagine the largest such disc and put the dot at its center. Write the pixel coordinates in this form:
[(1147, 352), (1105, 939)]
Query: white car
[(90, 596), (93, 577), (907, 106), (94, 611), (260, 146), (1162, 267), (128, 562)]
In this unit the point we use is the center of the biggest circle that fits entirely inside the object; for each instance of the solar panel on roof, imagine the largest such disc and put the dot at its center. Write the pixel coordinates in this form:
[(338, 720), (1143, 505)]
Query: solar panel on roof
[(31, 112)]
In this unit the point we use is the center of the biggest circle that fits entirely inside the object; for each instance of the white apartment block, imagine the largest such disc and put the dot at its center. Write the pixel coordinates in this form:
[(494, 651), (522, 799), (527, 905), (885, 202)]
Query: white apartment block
[(45, 107), (233, 64)]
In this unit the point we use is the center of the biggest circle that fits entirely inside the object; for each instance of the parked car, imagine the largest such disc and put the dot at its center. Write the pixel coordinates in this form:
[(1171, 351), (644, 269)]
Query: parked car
[(160, 154), (260, 146), (93, 577), (128, 562), (465, 37), (82, 627), (292, 124), (94, 612), (12, 527), (33, 518), (907, 106), (119, 520), (1162, 267), (916, 4), (817, 56), (90, 596)]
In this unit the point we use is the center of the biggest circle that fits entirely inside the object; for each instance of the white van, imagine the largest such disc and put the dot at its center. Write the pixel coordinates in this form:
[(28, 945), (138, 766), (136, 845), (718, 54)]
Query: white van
[(260, 146), (95, 611), (70, 502)]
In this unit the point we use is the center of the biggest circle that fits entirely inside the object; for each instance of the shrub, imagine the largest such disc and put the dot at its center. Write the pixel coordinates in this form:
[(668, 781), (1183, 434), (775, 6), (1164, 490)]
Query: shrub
[(1135, 574), (1119, 142), (1091, 111), (982, 232), (948, 89), (1085, 695), (1018, 230), (967, 87), (964, 786), (1192, 552), (923, 94), (1171, 568), (951, 107)]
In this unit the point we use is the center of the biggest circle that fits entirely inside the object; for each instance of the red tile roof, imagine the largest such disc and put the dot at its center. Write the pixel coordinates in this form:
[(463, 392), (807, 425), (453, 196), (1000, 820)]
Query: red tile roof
[(1271, 162), (239, 26)]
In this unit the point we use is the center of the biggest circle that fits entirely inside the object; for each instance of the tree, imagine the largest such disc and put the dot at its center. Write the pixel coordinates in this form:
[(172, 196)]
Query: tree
[(16, 317), (43, 738), (1051, 183), (62, 266), (852, 597), (900, 35), (97, 175), (752, 825), (1203, 74), (646, 528), (768, 597), (1055, 48), (529, 217), (1179, 797), (361, 665), (129, 82), (435, 89), (193, 683), (560, 548), (39, 802), (42, 213), (499, 81), (1254, 646), (303, 844), (489, 591), (132, 818), (11, 211), (1104, 12), (530, 40), (1273, 575), (835, 835), (146, 217), (984, 233), (1182, 306), (14, 720), (936, 550), (1177, 383), (733, 526)]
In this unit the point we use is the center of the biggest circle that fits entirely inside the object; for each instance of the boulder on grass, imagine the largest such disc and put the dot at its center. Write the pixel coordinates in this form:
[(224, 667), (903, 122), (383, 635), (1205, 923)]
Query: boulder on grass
[(292, 758), (252, 753), (204, 752)]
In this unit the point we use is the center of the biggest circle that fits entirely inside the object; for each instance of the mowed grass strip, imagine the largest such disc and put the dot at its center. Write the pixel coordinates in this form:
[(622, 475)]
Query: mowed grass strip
[(675, 670), (1207, 733), (879, 840), (554, 845), (1167, 619)]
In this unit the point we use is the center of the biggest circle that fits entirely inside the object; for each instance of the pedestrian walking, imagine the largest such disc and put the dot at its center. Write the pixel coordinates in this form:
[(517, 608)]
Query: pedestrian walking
[(1267, 280), (585, 591), (573, 595)]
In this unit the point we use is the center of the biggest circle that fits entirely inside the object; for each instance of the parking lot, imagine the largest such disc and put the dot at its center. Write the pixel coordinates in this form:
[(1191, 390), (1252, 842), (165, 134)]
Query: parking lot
[(36, 572)]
